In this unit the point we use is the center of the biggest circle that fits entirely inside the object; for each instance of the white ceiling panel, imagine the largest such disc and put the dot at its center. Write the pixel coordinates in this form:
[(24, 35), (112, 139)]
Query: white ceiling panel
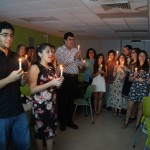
[(83, 17)]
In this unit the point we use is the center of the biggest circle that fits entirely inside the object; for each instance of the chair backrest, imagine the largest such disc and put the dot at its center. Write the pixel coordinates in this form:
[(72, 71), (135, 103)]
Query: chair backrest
[(146, 106), (89, 91)]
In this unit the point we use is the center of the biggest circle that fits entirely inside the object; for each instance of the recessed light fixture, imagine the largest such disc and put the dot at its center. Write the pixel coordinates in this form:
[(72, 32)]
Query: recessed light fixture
[(94, 0)]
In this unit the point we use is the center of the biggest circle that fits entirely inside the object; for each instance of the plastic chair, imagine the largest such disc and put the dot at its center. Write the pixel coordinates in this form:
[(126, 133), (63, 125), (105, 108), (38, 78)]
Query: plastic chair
[(145, 117), (147, 145), (86, 101)]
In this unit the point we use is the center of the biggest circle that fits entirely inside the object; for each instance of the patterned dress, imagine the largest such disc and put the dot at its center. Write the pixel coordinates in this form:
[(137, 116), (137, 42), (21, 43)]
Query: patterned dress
[(44, 105), (139, 90), (117, 101)]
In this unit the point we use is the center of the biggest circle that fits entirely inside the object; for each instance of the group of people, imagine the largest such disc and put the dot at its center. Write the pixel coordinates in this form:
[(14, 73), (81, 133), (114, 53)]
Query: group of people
[(122, 80), (52, 79), (47, 86)]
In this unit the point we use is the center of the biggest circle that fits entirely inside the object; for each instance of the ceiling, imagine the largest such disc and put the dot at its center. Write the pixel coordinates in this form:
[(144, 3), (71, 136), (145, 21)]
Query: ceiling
[(87, 19)]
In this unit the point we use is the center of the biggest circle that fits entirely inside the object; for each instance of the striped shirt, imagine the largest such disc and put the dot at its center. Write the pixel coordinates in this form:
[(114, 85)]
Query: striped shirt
[(65, 57)]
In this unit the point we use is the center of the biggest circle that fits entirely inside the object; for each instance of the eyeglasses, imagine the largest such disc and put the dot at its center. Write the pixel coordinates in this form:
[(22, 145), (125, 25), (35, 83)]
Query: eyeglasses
[(6, 35)]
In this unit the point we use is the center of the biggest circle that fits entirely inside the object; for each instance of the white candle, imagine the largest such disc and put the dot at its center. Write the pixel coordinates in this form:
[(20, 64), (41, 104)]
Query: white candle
[(20, 63), (122, 63), (83, 61), (78, 47), (26, 56), (61, 70), (136, 69), (117, 62), (100, 67), (117, 53)]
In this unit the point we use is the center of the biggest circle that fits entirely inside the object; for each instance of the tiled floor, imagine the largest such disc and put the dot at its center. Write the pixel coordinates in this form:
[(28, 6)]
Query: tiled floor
[(105, 134)]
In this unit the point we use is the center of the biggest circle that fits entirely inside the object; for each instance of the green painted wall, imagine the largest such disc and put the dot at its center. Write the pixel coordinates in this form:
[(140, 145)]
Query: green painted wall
[(22, 36)]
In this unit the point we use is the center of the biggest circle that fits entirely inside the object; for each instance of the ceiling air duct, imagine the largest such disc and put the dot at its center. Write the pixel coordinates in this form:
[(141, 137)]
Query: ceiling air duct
[(117, 4)]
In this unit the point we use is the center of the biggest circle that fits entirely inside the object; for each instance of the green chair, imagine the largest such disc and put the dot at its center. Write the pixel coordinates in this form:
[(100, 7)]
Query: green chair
[(85, 101), (145, 118), (147, 145), (25, 90)]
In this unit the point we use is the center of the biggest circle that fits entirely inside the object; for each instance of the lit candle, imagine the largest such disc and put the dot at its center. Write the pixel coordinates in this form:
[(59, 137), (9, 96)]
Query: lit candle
[(117, 62), (78, 47), (20, 63), (117, 53), (100, 67), (61, 70), (122, 63), (83, 61), (136, 69), (26, 56)]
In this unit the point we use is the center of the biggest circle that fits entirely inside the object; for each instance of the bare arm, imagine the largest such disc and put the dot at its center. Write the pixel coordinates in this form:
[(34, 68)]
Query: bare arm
[(33, 76), (14, 76)]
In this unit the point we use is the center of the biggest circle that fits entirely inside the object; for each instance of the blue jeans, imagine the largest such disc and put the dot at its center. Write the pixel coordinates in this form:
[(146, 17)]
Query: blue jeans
[(15, 129)]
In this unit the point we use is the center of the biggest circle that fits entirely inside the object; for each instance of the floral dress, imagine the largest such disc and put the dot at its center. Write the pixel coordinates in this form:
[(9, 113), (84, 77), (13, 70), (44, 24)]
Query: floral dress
[(139, 90), (44, 105), (117, 101)]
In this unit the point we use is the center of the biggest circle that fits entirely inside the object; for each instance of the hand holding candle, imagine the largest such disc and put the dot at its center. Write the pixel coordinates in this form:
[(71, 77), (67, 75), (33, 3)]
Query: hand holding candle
[(61, 70), (20, 63)]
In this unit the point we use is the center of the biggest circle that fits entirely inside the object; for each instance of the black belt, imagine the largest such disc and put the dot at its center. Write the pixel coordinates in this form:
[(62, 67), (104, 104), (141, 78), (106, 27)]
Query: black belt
[(70, 75)]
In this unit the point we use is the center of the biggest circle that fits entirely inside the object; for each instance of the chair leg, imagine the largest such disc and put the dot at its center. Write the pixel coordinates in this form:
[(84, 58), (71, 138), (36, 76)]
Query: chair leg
[(86, 112), (92, 114), (145, 148), (74, 111), (136, 137)]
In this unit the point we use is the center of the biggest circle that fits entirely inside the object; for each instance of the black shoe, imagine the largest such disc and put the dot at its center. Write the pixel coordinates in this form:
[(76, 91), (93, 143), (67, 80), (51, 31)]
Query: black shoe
[(72, 125), (62, 126), (109, 108)]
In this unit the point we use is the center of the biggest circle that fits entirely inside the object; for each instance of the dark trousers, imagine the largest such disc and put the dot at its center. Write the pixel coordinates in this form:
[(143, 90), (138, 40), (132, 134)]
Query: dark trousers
[(66, 96)]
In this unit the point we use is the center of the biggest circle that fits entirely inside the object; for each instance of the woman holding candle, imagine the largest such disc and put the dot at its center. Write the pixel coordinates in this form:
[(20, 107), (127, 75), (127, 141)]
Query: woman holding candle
[(21, 50), (138, 88), (99, 71), (89, 62), (111, 62), (127, 84), (43, 83), (117, 101)]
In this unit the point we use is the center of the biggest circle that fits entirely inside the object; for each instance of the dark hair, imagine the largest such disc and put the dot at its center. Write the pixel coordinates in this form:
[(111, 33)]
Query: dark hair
[(125, 59), (137, 50), (6, 25), (68, 34), (96, 66), (111, 51), (87, 53), (52, 46), (145, 66), (129, 47), (39, 48), (18, 47)]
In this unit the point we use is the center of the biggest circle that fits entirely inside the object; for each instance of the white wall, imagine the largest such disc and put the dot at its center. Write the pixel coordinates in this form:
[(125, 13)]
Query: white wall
[(103, 46)]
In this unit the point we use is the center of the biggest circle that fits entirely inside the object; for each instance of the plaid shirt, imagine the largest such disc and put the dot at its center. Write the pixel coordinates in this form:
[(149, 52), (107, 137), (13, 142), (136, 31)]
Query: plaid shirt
[(66, 58)]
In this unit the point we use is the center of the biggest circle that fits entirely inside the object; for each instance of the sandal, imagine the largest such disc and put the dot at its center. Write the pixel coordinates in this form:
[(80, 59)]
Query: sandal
[(124, 125)]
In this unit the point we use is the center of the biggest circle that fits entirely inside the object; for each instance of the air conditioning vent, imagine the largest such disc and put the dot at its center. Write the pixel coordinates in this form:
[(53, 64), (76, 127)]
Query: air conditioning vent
[(118, 5)]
